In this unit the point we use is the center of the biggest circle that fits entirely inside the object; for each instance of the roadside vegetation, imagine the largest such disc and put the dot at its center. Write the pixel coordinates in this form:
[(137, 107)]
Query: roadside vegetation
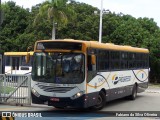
[(154, 85), (22, 27), (6, 90)]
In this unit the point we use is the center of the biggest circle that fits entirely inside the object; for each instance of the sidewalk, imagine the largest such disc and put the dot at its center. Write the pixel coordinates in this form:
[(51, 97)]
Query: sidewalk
[(153, 89)]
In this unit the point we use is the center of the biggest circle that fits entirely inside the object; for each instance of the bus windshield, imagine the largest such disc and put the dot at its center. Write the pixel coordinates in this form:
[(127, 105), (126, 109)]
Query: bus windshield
[(59, 68)]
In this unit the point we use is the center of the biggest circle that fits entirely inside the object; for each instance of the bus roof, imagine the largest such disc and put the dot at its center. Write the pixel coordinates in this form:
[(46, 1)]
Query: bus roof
[(96, 44), (17, 53)]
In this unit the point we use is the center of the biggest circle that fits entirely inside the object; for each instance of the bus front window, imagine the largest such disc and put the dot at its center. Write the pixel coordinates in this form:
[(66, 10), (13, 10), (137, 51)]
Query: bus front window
[(59, 68)]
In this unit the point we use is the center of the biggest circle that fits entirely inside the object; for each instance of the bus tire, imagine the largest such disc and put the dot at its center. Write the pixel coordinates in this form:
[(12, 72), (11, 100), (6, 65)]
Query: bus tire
[(134, 93), (101, 101)]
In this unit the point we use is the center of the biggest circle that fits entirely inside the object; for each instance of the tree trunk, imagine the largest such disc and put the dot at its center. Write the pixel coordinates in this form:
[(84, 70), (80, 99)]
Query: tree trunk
[(53, 31)]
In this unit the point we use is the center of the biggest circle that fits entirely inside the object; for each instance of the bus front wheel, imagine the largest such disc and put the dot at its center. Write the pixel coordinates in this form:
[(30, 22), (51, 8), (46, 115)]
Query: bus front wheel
[(101, 101)]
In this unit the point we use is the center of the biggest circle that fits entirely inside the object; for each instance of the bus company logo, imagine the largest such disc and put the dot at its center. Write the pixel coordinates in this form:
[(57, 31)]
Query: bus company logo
[(141, 75), (116, 79)]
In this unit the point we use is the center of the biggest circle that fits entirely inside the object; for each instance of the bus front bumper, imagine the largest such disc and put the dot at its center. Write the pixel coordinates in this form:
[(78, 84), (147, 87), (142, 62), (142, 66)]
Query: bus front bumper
[(84, 101), (67, 102)]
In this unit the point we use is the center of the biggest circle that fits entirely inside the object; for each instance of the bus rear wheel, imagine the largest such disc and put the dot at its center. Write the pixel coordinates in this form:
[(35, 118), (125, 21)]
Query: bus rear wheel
[(101, 101), (134, 93)]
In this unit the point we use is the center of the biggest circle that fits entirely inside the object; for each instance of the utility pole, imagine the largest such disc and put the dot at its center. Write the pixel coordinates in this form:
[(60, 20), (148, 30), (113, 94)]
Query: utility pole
[(100, 23)]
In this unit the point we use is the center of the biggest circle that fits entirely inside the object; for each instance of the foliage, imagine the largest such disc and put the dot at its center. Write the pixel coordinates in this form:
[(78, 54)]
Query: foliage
[(15, 22), (6, 90), (56, 11), (84, 27), (77, 21)]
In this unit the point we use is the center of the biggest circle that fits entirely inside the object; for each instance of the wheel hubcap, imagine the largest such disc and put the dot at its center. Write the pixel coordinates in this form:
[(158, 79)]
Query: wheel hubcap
[(99, 101)]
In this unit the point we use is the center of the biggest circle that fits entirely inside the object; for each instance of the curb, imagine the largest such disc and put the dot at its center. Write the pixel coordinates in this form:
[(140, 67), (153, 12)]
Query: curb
[(150, 91)]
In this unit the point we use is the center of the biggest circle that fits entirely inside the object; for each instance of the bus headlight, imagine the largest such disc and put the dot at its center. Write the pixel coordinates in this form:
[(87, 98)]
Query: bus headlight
[(35, 93), (77, 95)]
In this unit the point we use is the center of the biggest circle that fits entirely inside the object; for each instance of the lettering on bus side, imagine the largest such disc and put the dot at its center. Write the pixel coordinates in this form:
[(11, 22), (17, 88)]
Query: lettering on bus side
[(116, 79)]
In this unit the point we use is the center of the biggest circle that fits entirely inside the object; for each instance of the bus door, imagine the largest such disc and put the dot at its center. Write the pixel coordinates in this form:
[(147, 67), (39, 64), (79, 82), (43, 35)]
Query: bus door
[(15, 64)]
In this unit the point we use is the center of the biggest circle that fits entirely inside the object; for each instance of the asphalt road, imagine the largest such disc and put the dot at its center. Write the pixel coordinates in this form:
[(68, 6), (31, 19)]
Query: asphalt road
[(146, 104), (147, 101)]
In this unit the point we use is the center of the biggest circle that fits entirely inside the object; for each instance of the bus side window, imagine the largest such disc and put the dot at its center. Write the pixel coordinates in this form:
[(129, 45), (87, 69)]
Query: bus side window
[(15, 63)]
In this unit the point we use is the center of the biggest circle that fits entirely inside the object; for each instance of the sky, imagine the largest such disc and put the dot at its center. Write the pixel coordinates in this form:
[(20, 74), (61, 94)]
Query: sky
[(135, 8)]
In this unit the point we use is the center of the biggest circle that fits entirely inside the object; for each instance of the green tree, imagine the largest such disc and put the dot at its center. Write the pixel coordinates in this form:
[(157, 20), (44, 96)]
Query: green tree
[(84, 27), (17, 31), (15, 22), (57, 12)]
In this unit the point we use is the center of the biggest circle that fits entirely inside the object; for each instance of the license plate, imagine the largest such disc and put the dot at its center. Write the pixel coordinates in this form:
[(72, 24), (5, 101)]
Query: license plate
[(54, 99)]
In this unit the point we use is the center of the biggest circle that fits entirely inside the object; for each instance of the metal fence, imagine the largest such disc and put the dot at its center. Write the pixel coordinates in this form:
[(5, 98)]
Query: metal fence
[(15, 89)]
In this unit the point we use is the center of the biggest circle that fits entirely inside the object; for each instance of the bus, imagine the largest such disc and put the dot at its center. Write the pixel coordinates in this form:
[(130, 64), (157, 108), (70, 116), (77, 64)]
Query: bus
[(71, 73), (15, 63)]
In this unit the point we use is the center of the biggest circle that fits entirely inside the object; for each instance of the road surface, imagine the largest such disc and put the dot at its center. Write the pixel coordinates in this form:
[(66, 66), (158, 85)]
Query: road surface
[(146, 103)]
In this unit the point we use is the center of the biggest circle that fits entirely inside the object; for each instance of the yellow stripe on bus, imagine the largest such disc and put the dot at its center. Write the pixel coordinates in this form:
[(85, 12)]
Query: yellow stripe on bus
[(107, 46), (17, 53), (95, 86)]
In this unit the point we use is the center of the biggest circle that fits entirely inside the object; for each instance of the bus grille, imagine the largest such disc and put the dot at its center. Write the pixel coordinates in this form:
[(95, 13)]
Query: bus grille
[(55, 89)]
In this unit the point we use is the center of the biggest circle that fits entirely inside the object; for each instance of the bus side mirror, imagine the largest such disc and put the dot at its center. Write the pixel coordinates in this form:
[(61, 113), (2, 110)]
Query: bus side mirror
[(27, 57), (93, 59)]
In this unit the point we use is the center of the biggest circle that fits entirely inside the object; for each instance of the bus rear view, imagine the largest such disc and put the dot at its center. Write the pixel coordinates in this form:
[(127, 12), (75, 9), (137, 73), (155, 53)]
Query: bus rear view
[(15, 63)]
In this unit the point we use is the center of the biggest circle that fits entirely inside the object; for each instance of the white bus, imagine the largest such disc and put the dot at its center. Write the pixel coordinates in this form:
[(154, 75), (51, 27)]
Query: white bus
[(83, 74), (15, 63)]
